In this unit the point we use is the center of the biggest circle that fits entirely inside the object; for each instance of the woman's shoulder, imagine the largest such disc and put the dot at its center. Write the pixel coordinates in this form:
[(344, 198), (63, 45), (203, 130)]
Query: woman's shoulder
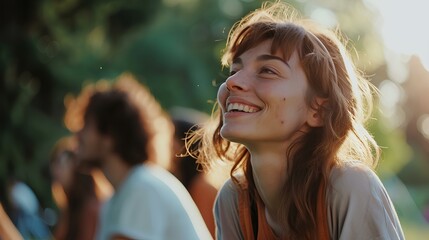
[(229, 189), (359, 205), (226, 211), (354, 177)]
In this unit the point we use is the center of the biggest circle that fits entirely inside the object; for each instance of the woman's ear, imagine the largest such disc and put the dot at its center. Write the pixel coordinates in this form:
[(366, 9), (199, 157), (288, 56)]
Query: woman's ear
[(316, 112)]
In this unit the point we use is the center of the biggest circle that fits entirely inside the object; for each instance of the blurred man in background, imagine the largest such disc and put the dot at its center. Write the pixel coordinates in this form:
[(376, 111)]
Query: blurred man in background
[(117, 137)]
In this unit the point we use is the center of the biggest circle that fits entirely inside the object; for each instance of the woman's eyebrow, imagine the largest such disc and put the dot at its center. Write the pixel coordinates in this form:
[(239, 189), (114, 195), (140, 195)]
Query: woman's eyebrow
[(266, 57)]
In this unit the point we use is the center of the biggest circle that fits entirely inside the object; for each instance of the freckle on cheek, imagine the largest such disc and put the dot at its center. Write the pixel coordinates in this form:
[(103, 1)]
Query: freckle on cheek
[(282, 122), (284, 99)]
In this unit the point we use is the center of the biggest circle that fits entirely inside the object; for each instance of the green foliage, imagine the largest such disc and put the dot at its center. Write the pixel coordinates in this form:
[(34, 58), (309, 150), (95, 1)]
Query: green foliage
[(54, 47), (395, 152)]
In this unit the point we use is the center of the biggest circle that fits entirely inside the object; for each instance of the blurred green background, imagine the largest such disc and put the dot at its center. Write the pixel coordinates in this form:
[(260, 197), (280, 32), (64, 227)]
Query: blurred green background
[(51, 48)]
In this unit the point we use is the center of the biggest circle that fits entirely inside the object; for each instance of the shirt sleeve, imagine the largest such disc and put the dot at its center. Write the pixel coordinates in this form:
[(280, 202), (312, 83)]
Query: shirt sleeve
[(359, 206), (140, 215), (226, 213)]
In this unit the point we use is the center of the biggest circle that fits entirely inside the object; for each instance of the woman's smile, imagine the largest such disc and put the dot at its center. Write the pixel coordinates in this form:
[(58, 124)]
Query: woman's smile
[(239, 107)]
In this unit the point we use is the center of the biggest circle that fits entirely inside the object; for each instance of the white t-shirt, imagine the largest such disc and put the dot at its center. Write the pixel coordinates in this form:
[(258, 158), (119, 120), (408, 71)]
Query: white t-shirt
[(151, 204)]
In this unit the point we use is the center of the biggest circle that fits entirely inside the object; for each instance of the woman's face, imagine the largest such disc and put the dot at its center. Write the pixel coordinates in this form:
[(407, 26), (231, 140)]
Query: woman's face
[(263, 100)]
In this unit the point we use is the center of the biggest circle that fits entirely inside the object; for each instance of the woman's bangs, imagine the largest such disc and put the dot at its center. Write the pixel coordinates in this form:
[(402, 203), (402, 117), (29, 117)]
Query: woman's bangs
[(287, 38), (250, 37)]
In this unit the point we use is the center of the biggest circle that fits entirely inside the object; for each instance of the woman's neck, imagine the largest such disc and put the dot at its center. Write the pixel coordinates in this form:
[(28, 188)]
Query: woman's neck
[(269, 167)]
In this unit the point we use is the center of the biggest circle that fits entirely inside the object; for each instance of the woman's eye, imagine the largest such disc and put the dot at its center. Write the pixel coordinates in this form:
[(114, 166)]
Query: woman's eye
[(232, 72), (267, 70)]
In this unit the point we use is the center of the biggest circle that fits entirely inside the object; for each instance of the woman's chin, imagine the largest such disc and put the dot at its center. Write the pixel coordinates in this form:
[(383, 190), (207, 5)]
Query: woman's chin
[(232, 136)]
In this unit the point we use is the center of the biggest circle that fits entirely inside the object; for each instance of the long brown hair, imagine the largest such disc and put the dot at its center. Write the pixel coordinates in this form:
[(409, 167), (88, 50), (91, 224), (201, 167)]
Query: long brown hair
[(347, 104)]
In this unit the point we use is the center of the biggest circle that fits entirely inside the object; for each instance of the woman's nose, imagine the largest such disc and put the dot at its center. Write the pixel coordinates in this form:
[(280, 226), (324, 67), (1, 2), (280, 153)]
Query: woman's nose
[(237, 82)]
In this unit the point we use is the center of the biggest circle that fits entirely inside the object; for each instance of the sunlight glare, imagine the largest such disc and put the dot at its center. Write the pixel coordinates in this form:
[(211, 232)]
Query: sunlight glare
[(390, 94), (423, 125), (403, 26), (325, 17), (390, 97), (397, 68)]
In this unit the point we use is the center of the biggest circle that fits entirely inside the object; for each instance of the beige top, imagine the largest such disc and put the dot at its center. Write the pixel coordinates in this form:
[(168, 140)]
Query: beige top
[(358, 207)]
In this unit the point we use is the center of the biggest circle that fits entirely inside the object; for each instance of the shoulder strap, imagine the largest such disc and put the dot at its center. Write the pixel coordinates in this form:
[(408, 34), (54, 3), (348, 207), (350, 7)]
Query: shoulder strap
[(244, 210), (248, 213)]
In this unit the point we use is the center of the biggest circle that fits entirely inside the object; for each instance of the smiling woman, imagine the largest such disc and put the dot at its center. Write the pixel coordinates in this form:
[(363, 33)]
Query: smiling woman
[(291, 117)]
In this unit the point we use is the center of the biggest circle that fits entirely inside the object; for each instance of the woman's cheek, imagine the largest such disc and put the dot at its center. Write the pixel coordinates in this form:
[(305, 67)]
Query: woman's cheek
[(222, 94)]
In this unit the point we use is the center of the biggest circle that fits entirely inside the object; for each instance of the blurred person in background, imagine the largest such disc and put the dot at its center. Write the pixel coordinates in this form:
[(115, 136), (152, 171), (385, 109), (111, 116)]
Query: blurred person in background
[(291, 117), (202, 185), (117, 137), (25, 210), (8, 230), (77, 192)]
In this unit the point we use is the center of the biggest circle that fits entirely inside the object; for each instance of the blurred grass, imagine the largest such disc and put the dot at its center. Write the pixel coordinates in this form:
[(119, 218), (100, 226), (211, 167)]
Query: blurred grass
[(413, 231)]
